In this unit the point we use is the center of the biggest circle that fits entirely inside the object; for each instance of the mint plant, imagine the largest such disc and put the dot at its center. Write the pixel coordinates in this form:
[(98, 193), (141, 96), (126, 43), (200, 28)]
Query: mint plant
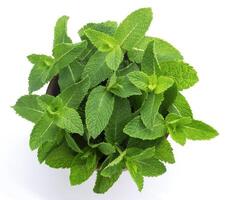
[(119, 102)]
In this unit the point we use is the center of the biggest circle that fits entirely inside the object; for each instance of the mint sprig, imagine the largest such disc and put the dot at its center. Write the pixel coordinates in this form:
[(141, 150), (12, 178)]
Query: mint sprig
[(119, 101)]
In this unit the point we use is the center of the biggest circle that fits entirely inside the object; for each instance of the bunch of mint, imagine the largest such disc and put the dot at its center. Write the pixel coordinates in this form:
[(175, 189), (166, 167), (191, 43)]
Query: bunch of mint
[(119, 100)]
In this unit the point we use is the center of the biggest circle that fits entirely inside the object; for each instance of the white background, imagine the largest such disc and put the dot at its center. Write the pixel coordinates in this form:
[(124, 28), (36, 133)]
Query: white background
[(198, 28)]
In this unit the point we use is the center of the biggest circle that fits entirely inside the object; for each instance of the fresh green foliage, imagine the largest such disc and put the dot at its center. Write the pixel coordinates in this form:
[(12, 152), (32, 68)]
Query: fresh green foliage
[(114, 99)]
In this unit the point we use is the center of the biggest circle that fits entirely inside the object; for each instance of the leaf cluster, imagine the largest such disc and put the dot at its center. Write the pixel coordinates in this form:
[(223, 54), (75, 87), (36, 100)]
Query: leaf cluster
[(120, 97)]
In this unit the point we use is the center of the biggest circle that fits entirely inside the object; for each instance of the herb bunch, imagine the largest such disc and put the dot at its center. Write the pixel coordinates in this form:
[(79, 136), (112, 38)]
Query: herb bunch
[(119, 99)]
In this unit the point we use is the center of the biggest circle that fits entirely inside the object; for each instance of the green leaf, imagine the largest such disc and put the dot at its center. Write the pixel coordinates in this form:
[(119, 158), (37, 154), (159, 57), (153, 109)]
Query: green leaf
[(96, 69), (109, 170), (40, 71), (82, 168), (108, 27), (60, 35), (65, 54), (136, 129), (150, 63), (114, 130), (198, 130), (102, 41), (180, 106), (163, 84), (138, 154), (164, 51), (69, 119), (104, 183), (28, 108), (98, 110), (105, 148), (124, 88), (129, 68), (176, 120), (43, 131), (135, 173), (72, 143), (164, 151), (133, 28), (177, 135), (60, 157), (149, 110), (70, 74), (151, 167), (114, 58), (139, 79), (183, 74), (73, 95)]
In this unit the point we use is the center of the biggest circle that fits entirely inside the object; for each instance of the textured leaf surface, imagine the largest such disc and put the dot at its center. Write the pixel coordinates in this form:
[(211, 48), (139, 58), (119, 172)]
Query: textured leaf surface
[(164, 151), (114, 130), (40, 71), (102, 41), (45, 130), (114, 58), (98, 110), (73, 95), (150, 108), (124, 88), (150, 63), (28, 108), (136, 129), (72, 143), (139, 79), (164, 51), (133, 28), (60, 157), (104, 183), (180, 106), (96, 69), (69, 119), (70, 74), (163, 84), (60, 33), (135, 173), (82, 168), (198, 130), (183, 74)]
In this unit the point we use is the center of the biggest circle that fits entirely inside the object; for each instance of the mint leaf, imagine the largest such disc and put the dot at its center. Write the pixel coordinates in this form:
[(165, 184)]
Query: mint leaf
[(164, 51), (65, 54), (98, 110), (114, 58), (139, 79), (28, 108), (60, 35), (135, 173), (103, 42), (72, 143), (198, 130), (183, 74), (73, 95), (40, 71), (60, 157), (129, 68), (43, 131), (133, 28), (108, 27), (177, 135), (150, 63), (82, 168), (69, 119), (124, 88), (163, 84), (180, 106), (103, 183), (136, 129), (114, 130), (164, 151), (96, 69), (138, 154), (70, 74), (149, 110), (104, 147)]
